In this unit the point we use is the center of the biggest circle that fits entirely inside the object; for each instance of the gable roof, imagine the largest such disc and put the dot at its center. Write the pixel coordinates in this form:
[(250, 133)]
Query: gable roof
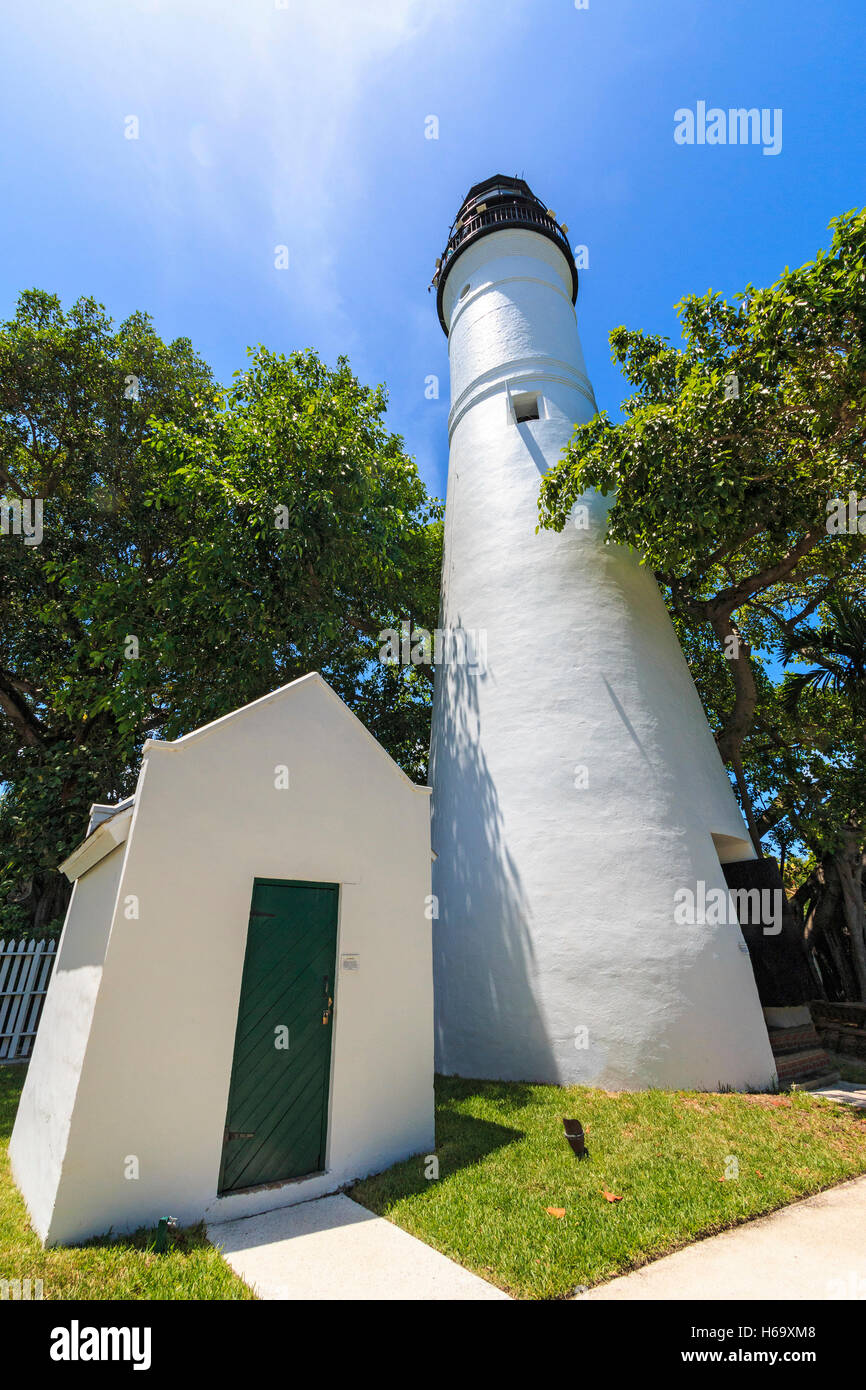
[(313, 679), (109, 825)]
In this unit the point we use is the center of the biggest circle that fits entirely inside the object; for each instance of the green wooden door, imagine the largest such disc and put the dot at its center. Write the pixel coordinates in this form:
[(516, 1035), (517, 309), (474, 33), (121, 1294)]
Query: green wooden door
[(276, 1123)]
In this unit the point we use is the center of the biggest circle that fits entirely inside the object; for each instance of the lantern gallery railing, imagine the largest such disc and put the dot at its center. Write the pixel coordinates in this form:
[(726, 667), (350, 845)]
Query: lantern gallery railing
[(511, 213), (489, 207)]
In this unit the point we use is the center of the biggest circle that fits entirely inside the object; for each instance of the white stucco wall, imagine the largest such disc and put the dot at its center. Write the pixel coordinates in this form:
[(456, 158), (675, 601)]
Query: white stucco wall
[(38, 1145), (156, 1067), (556, 901)]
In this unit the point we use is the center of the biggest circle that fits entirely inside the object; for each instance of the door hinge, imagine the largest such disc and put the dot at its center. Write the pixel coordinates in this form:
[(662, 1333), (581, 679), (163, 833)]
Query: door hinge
[(238, 1134)]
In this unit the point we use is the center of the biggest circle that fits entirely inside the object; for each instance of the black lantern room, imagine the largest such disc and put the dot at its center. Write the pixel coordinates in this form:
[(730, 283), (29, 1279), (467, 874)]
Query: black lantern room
[(492, 206)]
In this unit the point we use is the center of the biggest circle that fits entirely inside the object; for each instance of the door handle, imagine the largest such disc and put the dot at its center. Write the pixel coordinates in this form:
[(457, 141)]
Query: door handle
[(326, 1013)]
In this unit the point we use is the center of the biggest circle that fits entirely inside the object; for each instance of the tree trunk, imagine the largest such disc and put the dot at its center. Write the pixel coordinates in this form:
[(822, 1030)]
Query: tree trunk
[(805, 922), (849, 866), (45, 899), (824, 933), (741, 715), (748, 808)]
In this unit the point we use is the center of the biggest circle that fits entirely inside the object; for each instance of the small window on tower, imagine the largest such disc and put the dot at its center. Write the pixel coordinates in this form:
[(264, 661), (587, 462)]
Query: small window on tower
[(526, 406), (465, 290)]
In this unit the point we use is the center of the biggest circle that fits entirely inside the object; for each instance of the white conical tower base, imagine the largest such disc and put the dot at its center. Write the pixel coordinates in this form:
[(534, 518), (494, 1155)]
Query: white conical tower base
[(576, 783)]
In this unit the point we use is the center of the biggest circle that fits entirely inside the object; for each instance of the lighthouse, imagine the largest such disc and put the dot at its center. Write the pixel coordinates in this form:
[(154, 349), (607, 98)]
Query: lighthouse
[(578, 795)]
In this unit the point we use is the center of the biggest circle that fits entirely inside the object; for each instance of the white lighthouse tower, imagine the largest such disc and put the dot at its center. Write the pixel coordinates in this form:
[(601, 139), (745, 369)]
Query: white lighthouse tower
[(576, 783)]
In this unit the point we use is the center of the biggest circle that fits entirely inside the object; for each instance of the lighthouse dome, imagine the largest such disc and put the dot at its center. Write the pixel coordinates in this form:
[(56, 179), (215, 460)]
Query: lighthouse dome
[(496, 204)]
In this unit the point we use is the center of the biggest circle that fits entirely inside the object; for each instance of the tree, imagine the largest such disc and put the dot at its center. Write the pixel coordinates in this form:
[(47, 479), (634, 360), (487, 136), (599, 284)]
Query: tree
[(200, 548), (805, 773), (736, 473), (839, 647), (733, 452)]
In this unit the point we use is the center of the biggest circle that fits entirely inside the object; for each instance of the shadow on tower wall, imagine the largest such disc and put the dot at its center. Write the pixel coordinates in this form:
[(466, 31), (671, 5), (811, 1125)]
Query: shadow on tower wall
[(488, 1022)]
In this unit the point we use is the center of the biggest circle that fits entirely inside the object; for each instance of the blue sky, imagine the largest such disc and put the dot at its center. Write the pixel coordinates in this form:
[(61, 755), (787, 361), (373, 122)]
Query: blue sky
[(265, 123)]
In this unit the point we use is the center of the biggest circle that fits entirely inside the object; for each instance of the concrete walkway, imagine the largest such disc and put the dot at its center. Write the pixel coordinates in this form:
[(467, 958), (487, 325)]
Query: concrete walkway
[(850, 1092), (813, 1249), (333, 1248)]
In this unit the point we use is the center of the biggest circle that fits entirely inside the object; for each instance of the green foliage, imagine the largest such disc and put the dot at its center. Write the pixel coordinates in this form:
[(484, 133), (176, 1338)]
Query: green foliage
[(730, 473), (839, 647), (726, 465), (715, 490), (804, 765), (201, 547)]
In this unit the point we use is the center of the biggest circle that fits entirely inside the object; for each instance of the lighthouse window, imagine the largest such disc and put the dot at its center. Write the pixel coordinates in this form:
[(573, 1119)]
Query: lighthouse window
[(526, 406), (465, 290)]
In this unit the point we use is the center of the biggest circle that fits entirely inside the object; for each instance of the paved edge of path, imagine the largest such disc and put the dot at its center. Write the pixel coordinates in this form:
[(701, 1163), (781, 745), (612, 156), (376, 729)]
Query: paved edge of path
[(813, 1249), (332, 1248), (846, 1092)]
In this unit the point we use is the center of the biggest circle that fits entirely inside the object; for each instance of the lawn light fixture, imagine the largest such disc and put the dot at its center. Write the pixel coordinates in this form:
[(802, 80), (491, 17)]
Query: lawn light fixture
[(575, 1136)]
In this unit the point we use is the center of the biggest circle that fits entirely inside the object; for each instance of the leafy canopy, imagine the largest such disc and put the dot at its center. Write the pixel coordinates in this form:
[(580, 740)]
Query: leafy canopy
[(731, 453), (709, 482), (200, 548)]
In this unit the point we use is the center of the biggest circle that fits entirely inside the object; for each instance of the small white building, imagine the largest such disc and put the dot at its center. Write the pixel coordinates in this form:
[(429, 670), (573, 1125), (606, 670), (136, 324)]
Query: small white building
[(241, 1014)]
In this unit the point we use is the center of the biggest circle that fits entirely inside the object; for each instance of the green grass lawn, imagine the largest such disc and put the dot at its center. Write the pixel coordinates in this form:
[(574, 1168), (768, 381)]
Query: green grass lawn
[(103, 1268), (503, 1160)]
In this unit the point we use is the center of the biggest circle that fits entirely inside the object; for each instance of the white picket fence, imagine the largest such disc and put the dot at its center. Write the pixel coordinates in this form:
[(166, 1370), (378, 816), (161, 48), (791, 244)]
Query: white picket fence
[(25, 969)]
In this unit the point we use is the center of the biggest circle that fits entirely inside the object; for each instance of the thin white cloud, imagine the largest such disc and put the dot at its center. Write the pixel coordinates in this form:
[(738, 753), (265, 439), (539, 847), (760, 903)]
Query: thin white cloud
[(249, 113)]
